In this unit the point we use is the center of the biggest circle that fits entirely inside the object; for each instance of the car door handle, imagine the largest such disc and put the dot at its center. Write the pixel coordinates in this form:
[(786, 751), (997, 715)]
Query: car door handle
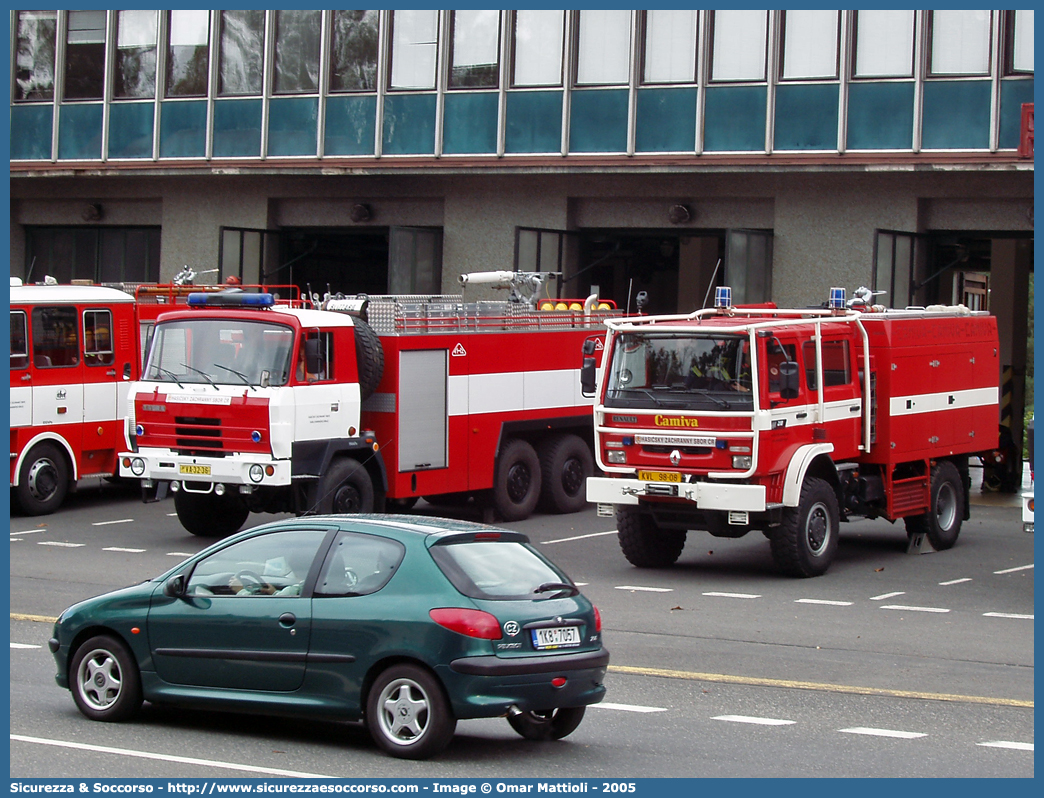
[(287, 619)]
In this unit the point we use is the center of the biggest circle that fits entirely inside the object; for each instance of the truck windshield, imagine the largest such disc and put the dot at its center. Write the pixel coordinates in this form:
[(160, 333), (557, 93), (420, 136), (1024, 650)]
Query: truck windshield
[(693, 372), (220, 352)]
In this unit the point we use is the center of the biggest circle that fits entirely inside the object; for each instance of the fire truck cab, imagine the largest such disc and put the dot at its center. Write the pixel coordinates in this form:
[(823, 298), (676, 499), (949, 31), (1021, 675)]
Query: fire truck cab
[(74, 351), (790, 421)]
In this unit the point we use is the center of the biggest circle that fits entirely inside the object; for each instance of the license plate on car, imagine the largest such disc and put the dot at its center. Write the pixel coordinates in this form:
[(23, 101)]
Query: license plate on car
[(195, 470), (556, 637), (659, 476)]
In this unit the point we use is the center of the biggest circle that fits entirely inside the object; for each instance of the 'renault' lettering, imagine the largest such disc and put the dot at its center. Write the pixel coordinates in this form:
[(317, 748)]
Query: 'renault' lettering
[(675, 421)]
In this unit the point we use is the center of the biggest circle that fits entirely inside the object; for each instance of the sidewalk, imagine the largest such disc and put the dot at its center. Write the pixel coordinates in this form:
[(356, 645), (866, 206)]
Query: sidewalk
[(977, 497)]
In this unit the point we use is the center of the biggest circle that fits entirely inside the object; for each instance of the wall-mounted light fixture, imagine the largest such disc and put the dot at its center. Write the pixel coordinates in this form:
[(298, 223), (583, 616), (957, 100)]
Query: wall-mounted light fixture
[(361, 212), (92, 212), (679, 214)]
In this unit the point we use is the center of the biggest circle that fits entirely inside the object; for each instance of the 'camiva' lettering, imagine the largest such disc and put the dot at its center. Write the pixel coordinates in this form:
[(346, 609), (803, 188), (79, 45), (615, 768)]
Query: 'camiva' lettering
[(669, 421)]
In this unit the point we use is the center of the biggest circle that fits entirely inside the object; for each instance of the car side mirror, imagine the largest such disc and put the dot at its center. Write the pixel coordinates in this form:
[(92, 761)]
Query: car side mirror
[(788, 379), (175, 587), (588, 377)]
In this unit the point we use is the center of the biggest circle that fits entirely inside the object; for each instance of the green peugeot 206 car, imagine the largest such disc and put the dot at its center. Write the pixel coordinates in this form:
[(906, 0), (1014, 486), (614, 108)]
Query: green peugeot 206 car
[(409, 625)]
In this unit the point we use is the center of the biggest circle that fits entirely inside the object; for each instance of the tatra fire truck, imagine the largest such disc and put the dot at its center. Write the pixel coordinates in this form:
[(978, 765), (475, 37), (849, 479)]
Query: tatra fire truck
[(361, 404), (789, 421)]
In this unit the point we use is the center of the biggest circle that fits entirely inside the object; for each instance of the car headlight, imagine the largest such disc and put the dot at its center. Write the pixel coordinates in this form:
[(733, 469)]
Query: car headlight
[(137, 466), (257, 473), (741, 462), (616, 456)]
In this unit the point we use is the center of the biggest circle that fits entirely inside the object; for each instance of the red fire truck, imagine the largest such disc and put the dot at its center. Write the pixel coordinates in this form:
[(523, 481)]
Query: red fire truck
[(735, 419), (367, 403)]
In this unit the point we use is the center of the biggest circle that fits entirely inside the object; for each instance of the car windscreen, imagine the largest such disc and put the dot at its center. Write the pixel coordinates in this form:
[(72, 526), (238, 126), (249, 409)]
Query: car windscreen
[(680, 371), (497, 570)]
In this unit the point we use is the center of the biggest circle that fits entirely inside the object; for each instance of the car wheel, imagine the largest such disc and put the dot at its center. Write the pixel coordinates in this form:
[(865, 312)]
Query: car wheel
[(43, 480), (565, 464), (942, 522), (208, 515), (806, 542), (643, 543), (516, 488), (407, 713), (346, 488), (547, 724), (105, 681)]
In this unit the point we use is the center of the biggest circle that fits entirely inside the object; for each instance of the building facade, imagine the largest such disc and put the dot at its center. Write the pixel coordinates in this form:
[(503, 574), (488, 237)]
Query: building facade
[(781, 152)]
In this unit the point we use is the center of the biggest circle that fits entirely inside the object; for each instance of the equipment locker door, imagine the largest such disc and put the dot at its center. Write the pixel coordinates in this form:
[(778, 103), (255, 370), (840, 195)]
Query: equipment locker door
[(423, 419)]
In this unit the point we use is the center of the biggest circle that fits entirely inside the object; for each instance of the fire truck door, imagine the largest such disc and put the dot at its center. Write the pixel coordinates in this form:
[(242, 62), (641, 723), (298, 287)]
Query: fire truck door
[(423, 419), (21, 374), (57, 393), (842, 405), (102, 382)]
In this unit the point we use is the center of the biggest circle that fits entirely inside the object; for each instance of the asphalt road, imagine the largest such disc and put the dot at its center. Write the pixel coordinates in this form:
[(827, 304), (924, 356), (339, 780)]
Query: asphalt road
[(892, 664)]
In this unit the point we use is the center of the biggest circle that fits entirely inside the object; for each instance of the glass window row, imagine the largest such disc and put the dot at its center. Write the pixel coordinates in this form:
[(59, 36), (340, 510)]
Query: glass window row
[(128, 55)]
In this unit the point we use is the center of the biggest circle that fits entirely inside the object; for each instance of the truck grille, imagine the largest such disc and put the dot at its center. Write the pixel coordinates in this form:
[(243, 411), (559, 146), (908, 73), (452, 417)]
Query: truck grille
[(198, 436)]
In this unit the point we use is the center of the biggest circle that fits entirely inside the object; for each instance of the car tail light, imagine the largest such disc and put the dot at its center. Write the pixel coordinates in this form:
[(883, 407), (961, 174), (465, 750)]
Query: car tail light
[(471, 623), (598, 618)]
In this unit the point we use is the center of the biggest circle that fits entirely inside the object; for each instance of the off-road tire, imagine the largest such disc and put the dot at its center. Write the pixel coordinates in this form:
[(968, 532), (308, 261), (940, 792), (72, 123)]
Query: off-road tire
[(565, 464), (806, 542), (346, 488), (369, 357), (43, 480), (942, 522), (643, 543), (208, 515), (516, 486)]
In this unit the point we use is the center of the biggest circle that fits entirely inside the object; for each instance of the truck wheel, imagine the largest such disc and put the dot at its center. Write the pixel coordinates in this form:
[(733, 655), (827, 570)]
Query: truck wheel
[(516, 487), (643, 543), (43, 480), (806, 542), (346, 488), (565, 464), (369, 356), (942, 522), (208, 515), (402, 505), (547, 724)]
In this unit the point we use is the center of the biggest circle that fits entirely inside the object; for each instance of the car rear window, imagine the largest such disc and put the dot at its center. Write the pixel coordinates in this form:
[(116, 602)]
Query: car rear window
[(498, 570)]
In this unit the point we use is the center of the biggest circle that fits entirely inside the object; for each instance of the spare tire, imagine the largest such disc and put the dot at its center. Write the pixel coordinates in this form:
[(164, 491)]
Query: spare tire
[(369, 356)]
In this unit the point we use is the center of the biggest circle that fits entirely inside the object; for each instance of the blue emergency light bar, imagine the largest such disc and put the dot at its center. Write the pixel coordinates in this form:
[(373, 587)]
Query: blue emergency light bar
[(837, 299), (723, 296), (230, 299)]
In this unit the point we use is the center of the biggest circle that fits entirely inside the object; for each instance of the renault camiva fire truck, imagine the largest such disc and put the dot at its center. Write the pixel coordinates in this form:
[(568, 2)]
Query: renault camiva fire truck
[(365, 403), (735, 419)]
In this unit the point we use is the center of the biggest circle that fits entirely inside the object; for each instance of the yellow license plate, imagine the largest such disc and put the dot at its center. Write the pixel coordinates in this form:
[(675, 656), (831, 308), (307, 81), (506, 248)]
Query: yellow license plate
[(195, 470), (659, 476)]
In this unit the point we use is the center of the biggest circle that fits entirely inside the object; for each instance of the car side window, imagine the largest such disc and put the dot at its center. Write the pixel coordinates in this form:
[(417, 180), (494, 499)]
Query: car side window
[(276, 564), (358, 565)]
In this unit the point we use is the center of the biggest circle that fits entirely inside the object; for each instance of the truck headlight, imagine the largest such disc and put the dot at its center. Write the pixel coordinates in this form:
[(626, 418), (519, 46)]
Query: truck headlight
[(257, 473), (137, 466), (741, 462), (616, 456)]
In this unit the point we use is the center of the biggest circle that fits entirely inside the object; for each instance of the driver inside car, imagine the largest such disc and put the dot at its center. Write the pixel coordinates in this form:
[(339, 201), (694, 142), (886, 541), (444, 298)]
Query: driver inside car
[(275, 573)]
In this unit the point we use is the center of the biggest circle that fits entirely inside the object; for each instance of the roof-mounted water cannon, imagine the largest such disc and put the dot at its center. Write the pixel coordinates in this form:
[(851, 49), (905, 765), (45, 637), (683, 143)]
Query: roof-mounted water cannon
[(723, 298), (862, 299), (187, 275), (524, 286)]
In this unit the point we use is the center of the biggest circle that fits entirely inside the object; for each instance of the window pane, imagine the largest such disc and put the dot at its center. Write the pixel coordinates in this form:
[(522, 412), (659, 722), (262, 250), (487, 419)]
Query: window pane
[(297, 51), (85, 56), (605, 42), (19, 345), (884, 44), (476, 49), (739, 45), (56, 339), (135, 54), (1022, 55), (354, 58), (242, 51), (960, 42), (34, 62), (810, 44), (670, 47), (97, 338), (538, 48), (414, 40), (187, 57)]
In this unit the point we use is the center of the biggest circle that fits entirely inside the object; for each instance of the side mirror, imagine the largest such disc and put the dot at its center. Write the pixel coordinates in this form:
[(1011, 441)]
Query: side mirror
[(589, 346), (788, 380), (588, 377), (175, 587)]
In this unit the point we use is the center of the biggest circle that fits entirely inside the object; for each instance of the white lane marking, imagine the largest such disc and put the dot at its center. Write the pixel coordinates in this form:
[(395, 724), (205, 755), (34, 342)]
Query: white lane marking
[(581, 584), (118, 548), (955, 581), (107, 523), (172, 515), (759, 721), (734, 595), (628, 707), (28, 531), (60, 543), (178, 554), (1007, 744), (905, 735), (186, 760), (578, 537), (912, 609), (17, 540), (824, 601), (883, 596), (1007, 615), (1013, 570), (23, 645), (646, 589)]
